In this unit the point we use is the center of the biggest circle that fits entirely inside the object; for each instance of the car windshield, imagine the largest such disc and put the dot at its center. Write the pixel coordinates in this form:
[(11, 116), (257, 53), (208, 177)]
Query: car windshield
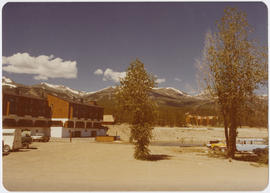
[(216, 141)]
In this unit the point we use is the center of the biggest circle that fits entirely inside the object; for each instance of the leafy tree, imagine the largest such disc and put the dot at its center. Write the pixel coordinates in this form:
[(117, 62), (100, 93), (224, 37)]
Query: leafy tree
[(232, 68), (133, 97)]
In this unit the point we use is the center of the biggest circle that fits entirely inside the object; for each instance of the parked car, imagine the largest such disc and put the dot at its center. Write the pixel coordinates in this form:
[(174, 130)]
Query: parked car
[(217, 145), (255, 145), (250, 144), (12, 140), (40, 137)]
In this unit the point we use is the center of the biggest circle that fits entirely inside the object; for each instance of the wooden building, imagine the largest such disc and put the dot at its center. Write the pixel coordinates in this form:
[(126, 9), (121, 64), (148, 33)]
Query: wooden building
[(82, 120), (25, 112), (194, 120), (52, 116)]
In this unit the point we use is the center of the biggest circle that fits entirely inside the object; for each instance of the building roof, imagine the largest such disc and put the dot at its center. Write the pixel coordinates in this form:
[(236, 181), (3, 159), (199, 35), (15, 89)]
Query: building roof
[(108, 118)]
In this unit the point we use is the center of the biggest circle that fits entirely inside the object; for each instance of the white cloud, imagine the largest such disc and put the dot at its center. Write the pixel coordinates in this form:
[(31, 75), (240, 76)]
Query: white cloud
[(110, 75), (42, 67), (160, 80), (98, 72), (178, 79)]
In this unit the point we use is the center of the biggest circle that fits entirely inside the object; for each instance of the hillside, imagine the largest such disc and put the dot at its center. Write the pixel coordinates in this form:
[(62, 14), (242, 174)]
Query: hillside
[(170, 97), (172, 103)]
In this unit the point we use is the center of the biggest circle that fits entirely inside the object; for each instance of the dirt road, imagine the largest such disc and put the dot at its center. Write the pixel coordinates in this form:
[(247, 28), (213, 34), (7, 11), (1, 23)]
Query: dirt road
[(90, 166)]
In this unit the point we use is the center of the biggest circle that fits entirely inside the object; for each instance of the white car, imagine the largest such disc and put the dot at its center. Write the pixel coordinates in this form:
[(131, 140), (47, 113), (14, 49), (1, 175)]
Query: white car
[(40, 137), (250, 144)]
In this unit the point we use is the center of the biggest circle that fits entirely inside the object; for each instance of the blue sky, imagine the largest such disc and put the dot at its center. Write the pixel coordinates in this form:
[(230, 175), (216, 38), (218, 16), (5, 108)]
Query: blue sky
[(88, 46)]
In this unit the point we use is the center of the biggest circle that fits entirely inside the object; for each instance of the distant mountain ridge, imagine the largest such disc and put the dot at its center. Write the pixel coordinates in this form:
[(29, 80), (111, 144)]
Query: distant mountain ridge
[(168, 91), (166, 98)]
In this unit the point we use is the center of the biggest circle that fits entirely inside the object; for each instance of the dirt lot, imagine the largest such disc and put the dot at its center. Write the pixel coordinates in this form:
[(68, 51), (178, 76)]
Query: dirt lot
[(90, 166), (188, 135)]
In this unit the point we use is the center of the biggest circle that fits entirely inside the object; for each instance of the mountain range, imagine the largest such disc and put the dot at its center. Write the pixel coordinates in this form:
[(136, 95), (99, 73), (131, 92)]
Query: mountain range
[(166, 98)]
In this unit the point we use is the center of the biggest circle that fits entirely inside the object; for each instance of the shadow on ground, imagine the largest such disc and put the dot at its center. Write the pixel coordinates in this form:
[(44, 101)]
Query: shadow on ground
[(25, 149), (158, 157), (246, 157)]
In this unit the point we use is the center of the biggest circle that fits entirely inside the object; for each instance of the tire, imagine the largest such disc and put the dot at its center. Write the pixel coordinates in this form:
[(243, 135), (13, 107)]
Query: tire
[(216, 148), (223, 150), (6, 148)]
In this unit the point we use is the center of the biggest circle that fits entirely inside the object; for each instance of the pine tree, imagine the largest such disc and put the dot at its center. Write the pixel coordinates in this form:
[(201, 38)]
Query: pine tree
[(133, 97)]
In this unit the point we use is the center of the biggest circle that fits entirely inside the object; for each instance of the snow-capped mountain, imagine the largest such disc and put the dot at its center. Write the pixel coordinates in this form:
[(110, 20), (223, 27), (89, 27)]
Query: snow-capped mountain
[(62, 88), (164, 93), (169, 91), (167, 96), (8, 82)]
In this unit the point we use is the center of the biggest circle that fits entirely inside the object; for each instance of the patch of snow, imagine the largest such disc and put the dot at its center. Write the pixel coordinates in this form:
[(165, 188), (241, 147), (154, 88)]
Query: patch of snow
[(170, 88), (74, 91), (93, 92), (81, 93), (63, 88), (10, 85), (176, 90), (7, 80)]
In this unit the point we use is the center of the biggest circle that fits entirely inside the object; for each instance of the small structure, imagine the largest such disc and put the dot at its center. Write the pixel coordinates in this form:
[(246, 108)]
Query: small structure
[(105, 138), (108, 120), (195, 120)]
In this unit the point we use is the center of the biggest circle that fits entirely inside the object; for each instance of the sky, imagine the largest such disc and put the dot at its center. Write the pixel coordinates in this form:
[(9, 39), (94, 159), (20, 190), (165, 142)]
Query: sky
[(89, 46)]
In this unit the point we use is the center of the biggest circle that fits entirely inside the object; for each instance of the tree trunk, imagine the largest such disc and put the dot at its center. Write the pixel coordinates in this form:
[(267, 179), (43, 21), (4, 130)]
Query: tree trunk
[(232, 142), (226, 134), (226, 128), (232, 136)]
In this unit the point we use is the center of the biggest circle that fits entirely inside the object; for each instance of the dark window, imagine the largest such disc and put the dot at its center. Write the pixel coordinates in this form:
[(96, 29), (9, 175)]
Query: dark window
[(89, 125), (12, 105), (93, 133), (97, 125), (56, 123), (76, 134), (25, 123), (69, 124), (75, 110), (40, 123), (9, 122), (79, 124)]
